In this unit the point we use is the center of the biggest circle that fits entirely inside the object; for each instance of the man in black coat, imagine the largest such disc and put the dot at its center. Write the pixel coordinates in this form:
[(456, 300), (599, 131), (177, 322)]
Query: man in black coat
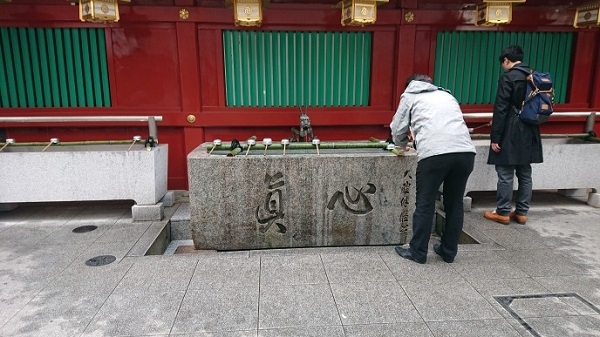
[(515, 145)]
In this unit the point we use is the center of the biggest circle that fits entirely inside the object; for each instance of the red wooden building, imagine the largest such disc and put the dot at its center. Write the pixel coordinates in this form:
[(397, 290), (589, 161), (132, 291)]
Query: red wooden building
[(187, 61)]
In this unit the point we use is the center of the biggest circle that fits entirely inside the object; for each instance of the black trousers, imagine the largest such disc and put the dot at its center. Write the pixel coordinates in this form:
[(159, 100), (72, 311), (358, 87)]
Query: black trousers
[(453, 170)]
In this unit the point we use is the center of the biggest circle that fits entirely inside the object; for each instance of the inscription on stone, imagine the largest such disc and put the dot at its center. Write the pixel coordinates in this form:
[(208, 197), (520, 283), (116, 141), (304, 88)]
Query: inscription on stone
[(272, 211), (355, 203), (404, 203)]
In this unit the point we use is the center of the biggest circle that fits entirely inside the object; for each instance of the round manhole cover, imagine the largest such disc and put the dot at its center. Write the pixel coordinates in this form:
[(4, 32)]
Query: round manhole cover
[(100, 260), (84, 229)]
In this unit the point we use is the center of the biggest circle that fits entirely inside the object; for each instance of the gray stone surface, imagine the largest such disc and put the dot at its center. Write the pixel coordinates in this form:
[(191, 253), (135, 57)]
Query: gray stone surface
[(147, 212), (300, 200), (180, 223), (83, 172), (368, 291)]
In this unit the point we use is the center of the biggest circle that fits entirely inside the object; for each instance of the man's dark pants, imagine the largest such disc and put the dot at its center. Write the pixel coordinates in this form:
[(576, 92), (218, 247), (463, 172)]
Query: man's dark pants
[(453, 170)]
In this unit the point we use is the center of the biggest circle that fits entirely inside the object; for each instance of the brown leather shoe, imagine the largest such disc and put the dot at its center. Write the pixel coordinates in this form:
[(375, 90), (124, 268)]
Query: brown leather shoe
[(496, 217), (520, 219)]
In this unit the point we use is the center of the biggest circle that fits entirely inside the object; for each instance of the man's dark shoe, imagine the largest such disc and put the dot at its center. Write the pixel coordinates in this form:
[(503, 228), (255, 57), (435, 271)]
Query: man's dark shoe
[(407, 254), (437, 248)]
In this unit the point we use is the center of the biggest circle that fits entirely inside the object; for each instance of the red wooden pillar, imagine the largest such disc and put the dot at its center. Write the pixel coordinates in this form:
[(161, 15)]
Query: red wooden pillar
[(406, 47)]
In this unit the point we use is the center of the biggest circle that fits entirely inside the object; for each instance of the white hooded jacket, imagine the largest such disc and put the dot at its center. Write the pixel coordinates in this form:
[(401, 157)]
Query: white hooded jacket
[(435, 119)]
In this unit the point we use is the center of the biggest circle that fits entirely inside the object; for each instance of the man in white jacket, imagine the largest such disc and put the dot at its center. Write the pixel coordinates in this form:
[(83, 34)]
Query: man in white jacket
[(445, 154)]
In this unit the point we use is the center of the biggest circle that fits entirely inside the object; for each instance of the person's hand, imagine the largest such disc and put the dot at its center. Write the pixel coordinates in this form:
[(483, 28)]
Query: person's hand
[(495, 147)]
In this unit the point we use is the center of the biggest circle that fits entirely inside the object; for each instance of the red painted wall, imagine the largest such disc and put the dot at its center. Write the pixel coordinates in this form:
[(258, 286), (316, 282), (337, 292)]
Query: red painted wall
[(162, 65)]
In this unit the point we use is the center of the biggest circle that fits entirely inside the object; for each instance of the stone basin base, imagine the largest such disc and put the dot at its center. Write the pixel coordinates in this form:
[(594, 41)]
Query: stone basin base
[(569, 164), (86, 173), (300, 200)]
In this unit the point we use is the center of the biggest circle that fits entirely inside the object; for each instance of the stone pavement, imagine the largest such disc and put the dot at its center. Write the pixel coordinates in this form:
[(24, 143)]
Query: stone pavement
[(541, 279)]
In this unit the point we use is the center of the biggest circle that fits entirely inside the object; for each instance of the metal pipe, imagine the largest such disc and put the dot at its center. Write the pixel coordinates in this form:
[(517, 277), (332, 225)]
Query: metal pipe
[(590, 122), (62, 119), (544, 135), (488, 115), (152, 130)]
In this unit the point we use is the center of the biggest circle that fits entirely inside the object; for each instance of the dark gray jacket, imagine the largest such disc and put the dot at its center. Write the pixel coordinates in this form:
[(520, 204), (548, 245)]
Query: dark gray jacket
[(520, 143)]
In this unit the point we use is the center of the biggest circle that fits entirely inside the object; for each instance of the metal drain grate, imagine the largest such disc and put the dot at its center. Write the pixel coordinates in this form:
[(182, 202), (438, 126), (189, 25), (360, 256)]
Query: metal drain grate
[(100, 260), (84, 229), (507, 301)]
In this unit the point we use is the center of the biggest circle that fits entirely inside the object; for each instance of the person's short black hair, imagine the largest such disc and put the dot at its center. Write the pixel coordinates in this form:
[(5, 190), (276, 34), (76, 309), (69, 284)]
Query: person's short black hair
[(418, 77), (513, 53)]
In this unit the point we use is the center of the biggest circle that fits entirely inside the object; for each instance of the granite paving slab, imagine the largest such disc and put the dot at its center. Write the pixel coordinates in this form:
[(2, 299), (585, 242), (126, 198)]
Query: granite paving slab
[(373, 302), (474, 328), (356, 267), (82, 279), (218, 310), (313, 331), (300, 305), (229, 270), (138, 312), (124, 231), (575, 326), (158, 274), (290, 270), (486, 265), (395, 329), (539, 263), (53, 316), (447, 300)]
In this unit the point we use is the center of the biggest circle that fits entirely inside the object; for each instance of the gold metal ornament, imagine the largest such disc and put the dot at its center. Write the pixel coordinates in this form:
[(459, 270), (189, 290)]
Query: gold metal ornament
[(409, 17), (99, 11), (587, 15), (184, 14), (191, 119)]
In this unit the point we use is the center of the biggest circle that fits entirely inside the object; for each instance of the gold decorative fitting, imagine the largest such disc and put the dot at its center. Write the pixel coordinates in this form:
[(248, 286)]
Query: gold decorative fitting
[(359, 12), (409, 17), (184, 14), (587, 16), (247, 13), (494, 12), (99, 11), (191, 119)]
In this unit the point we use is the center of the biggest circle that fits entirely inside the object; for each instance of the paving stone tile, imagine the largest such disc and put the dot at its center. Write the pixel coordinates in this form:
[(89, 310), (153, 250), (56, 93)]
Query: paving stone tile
[(585, 286), (289, 270), (489, 288), (136, 313), (373, 302), (226, 271), (65, 233), (512, 237), (81, 279), (315, 331), (541, 307), (447, 300), (218, 309), (241, 333), (26, 234), (158, 274), (121, 231), (573, 326), (53, 316), (539, 263), (388, 330), (356, 267), (300, 305), (486, 265), (475, 328)]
